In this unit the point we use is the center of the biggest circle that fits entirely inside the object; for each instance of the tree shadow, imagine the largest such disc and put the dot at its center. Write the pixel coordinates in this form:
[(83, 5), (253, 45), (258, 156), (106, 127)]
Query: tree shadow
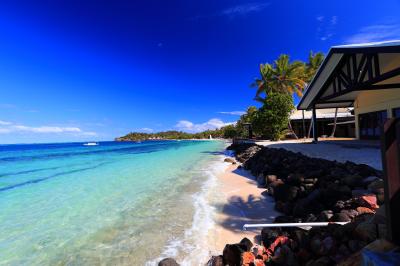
[(250, 210)]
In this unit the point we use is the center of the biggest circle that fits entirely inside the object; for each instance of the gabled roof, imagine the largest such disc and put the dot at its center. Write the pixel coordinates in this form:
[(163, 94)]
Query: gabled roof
[(349, 69)]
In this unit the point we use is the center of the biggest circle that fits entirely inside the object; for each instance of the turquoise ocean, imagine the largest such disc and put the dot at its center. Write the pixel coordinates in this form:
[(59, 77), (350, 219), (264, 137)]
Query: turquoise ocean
[(118, 203)]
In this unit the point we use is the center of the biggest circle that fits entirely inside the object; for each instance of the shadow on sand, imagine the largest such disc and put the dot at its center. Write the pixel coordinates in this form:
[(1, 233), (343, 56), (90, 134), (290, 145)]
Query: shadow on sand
[(252, 209)]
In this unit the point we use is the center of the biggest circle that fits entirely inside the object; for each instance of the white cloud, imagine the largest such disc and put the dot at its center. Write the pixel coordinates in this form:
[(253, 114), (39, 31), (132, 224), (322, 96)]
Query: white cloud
[(188, 126), (7, 106), (244, 9), (146, 130), (376, 33), (46, 129), (4, 123), (238, 10), (8, 127), (326, 27), (233, 113)]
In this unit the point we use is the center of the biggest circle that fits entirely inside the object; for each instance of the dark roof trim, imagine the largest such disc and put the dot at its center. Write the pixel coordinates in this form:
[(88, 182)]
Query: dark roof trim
[(319, 71), (350, 49)]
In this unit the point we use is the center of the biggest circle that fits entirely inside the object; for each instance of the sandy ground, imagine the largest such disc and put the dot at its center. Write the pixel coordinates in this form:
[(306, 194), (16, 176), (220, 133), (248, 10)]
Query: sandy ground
[(241, 202)]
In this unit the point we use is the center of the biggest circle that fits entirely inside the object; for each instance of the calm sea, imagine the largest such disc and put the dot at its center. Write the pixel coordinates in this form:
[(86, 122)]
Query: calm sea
[(111, 204)]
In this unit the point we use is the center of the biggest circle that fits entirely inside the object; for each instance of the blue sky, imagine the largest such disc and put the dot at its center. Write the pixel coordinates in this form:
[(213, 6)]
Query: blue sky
[(94, 70)]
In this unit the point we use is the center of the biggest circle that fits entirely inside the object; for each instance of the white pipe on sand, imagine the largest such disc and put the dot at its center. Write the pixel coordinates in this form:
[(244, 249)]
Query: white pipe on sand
[(246, 226)]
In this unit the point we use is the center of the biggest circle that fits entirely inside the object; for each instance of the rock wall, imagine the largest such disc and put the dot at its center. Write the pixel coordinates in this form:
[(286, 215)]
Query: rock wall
[(309, 190)]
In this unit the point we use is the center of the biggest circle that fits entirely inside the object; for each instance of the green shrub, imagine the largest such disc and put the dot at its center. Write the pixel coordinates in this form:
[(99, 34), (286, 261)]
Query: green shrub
[(273, 117)]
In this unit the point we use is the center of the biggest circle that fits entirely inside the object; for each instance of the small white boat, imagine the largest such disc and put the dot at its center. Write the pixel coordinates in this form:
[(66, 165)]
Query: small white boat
[(91, 144)]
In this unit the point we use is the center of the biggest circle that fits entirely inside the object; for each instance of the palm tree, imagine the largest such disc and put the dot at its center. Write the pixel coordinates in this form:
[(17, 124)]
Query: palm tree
[(281, 77), (314, 61)]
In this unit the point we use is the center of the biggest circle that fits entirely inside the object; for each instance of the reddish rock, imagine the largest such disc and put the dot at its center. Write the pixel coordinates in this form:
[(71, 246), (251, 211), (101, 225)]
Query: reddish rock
[(280, 240), (248, 258), (369, 201), (362, 210), (259, 262)]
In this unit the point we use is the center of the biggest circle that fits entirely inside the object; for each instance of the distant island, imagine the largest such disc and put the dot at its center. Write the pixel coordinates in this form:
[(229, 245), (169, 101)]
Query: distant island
[(140, 136)]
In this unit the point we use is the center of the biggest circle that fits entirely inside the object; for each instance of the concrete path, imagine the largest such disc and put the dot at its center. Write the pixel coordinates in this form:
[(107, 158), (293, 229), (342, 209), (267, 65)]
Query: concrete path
[(341, 151)]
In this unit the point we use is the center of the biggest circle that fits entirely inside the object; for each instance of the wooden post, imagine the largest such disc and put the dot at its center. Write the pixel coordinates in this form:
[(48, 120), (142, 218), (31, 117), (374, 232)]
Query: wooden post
[(314, 120), (390, 148)]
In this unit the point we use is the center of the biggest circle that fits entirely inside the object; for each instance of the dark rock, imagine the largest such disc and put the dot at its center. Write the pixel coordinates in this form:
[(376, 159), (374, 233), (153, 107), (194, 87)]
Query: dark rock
[(284, 256), (359, 192), (295, 180), (309, 181), (353, 180), (340, 217), (316, 246), (285, 193), (300, 237), (380, 196), (369, 179), (268, 235), (376, 185), (328, 243), (247, 243), (350, 213), (356, 245), (216, 261), (232, 254), (324, 216), (168, 262), (310, 218), (339, 205), (323, 261), (366, 231), (276, 183), (230, 160)]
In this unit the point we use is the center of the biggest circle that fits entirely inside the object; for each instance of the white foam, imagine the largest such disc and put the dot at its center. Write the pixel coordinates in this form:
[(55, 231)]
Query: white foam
[(194, 244)]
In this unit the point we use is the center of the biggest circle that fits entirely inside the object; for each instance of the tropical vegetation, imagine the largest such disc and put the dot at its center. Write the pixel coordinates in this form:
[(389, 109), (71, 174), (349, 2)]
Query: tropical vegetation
[(279, 83)]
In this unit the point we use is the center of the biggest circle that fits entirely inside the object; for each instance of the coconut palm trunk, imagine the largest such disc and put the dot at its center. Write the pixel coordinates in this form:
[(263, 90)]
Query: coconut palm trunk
[(334, 124)]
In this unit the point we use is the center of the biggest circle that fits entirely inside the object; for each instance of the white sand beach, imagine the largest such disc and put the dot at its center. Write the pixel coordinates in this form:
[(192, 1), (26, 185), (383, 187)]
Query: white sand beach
[(239, 201)]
